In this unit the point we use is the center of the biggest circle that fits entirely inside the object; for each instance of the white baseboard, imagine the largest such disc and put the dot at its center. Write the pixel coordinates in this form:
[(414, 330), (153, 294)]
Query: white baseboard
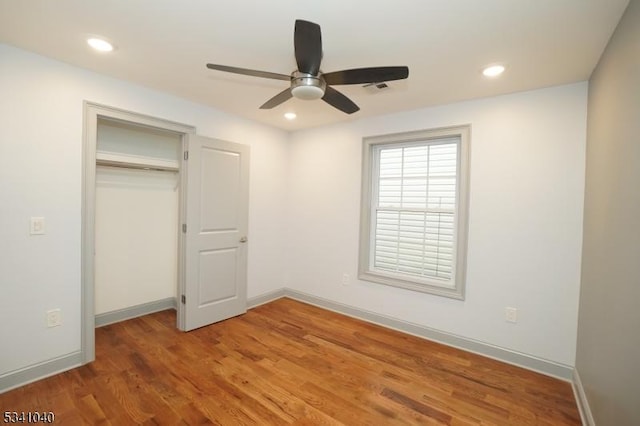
[(135, 311), (265, 298), (39, 371), (529, 362), (581, 399)]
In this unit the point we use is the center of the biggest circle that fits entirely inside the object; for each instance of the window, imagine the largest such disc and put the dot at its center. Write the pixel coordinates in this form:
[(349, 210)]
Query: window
[(414, 210)]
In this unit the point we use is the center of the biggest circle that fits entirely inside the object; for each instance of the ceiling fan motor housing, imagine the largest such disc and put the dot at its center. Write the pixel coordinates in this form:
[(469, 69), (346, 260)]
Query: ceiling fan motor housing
[(307, 86)]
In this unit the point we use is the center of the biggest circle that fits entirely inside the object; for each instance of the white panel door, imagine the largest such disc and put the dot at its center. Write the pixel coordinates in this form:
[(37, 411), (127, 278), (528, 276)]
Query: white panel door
[(217, 201)]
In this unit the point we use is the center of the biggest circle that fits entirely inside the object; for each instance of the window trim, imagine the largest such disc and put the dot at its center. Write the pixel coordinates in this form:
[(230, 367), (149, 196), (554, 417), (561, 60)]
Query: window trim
[(365, 272)]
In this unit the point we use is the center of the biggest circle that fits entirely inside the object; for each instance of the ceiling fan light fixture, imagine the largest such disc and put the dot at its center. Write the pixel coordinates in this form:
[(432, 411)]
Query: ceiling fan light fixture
[(307, 86), (290, 115), (307, 93)]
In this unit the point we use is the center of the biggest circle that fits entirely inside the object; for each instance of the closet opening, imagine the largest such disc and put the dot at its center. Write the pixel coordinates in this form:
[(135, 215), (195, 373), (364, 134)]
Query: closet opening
[(132, 209), (137, 220)]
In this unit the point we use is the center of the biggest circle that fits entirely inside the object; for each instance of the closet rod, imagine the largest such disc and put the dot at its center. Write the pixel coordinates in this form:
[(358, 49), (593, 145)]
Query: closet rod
[(136, 166)]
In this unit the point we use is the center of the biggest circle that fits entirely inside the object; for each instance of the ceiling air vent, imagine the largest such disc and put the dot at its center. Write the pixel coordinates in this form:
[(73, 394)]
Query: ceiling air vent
[(375, 87)]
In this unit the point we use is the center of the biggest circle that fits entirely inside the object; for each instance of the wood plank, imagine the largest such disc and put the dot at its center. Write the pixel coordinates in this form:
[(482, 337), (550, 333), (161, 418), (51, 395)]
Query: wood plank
[(287, 362)]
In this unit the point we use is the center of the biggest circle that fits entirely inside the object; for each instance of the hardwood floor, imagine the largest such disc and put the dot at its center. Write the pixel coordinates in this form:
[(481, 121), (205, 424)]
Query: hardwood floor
[(287, 362)]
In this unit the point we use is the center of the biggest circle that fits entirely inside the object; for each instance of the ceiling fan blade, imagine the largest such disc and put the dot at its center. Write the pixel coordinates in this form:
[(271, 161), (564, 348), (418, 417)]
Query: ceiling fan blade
[(338, 100), (253, 73), (307, 40), (277, 99), (366, 75)]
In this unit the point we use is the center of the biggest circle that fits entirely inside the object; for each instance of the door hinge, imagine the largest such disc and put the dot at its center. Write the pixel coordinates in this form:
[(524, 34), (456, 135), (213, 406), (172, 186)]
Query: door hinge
[(186, 155), (184, 228), (183, 299)]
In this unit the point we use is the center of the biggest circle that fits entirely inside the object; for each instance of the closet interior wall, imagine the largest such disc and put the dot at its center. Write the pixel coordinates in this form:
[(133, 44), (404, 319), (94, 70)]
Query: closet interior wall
[(136, 216)]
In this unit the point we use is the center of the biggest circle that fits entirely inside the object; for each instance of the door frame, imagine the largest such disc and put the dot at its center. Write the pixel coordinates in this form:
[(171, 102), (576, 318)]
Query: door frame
[(92, 113)]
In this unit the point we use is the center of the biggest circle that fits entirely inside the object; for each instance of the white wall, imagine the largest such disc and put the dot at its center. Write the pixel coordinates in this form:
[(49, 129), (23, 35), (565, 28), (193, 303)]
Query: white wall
[(527, 184), (41, 119)]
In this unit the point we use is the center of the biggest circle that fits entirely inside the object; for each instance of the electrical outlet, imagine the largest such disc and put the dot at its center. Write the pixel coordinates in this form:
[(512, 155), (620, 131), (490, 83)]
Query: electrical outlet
[(511, 314), (54, 318), (345, 279), (36, 226)]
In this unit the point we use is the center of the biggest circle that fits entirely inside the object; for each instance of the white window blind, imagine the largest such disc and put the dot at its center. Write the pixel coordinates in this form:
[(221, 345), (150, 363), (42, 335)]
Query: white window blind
[(414, 215), (415, 209)]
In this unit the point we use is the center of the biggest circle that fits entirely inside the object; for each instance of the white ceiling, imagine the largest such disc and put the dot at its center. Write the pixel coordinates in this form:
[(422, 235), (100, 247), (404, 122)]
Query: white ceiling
[(165, 44)]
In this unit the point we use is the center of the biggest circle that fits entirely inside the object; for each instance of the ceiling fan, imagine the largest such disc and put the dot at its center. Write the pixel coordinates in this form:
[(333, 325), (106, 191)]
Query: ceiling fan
[(308, 82)]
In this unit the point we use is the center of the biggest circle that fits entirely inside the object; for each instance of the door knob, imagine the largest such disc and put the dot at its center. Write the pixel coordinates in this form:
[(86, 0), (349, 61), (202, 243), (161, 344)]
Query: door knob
[(243, 239)]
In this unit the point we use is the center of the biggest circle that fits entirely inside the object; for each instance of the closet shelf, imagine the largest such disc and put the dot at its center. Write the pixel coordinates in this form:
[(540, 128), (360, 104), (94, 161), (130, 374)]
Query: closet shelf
[(135, 162)]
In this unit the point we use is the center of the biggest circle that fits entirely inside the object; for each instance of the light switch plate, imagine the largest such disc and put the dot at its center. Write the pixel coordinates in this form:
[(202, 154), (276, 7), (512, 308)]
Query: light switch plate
[(54, 318)]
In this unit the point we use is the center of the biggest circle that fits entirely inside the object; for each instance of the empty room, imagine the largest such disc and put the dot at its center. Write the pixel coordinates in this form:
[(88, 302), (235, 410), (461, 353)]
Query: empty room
[(423, 212)]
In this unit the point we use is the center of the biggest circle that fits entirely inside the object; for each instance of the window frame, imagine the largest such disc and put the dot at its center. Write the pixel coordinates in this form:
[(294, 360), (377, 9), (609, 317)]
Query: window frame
[(370, 176)]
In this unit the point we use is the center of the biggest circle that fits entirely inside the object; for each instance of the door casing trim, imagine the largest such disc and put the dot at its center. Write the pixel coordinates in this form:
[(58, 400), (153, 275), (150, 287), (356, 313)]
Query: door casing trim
[(92, 112)]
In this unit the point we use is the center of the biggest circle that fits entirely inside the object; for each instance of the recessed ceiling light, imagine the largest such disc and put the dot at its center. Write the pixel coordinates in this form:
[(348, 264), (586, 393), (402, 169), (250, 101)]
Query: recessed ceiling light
[(99, 44), (493, 70), (290, 115)]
